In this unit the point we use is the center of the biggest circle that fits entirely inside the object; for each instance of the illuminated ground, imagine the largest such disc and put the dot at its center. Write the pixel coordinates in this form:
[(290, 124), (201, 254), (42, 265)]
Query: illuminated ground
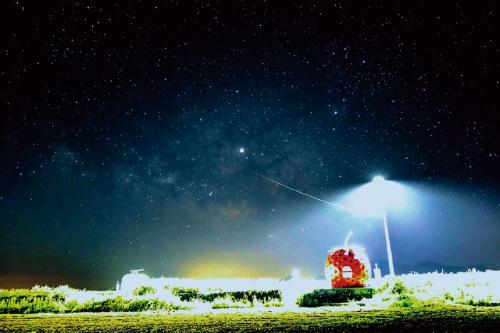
[(438, 318)]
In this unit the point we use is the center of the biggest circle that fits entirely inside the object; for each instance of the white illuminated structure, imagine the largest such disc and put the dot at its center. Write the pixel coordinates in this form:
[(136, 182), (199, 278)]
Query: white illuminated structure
[(374, 200)]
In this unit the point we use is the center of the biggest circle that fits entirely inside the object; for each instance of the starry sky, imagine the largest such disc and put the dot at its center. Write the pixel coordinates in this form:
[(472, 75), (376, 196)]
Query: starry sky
[(133, 133)]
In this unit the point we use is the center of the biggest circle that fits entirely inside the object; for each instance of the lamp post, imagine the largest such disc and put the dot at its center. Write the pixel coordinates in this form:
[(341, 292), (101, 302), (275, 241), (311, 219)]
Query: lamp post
[(379, 180), (388, 247)]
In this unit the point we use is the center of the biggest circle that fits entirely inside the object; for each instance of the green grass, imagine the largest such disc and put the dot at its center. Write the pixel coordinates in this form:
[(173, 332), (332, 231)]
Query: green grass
[(435, 318)]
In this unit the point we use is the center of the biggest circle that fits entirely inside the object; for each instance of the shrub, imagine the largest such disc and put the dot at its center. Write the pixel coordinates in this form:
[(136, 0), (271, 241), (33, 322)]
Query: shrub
[(405, 301), (185, 294), (399, 288), (25, 301), (249, 296), (488, 301), (154, 304), (144, 290), (383, 288), (70, 306), (30, 301), (118, 304), (322, 297), (448, 296), (404, 296)]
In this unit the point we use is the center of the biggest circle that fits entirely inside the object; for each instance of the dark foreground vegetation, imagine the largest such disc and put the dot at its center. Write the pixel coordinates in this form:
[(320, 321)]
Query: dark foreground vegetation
[(247, 296), (325, 297), (429, 319), (26, 301)]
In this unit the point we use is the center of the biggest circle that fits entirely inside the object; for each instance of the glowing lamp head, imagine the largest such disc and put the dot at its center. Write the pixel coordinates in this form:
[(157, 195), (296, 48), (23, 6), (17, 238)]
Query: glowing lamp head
[(375, 198)]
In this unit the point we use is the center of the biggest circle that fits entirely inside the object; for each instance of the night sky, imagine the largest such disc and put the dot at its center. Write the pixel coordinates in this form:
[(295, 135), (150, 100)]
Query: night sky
[(133, 133)]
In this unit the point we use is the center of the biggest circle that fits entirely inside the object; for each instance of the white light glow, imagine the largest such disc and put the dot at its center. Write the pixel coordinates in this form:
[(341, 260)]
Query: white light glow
[(375, 198), (295, 274)]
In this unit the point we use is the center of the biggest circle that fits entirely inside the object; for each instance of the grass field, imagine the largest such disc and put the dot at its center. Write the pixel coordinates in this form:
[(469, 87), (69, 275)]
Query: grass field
[(437, 319)]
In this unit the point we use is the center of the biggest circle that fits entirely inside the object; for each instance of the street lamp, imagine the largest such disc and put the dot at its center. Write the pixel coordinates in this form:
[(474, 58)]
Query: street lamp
[(380, 181), (374, 199)]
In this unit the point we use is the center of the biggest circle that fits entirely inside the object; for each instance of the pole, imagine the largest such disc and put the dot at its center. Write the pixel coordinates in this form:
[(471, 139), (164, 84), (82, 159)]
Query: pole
[(388, 247)]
